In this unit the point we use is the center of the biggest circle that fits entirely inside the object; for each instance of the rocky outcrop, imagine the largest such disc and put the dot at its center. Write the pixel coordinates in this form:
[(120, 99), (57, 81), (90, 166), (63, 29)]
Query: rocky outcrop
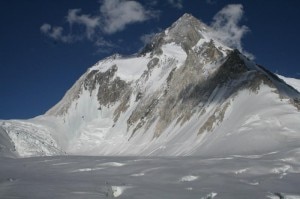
[(110, 88)]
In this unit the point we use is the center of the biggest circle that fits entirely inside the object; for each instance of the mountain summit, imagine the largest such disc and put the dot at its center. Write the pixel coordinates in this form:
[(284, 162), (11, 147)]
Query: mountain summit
[(185, 93), (186, 31)]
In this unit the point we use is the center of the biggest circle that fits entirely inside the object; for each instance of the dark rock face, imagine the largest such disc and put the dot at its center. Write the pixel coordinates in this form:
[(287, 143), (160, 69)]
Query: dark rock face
[(231, 69), (154, 47), (111, 93), (111, 88), (296, 103), (185, 32), (89, 83), (153, 62), (209, 52)]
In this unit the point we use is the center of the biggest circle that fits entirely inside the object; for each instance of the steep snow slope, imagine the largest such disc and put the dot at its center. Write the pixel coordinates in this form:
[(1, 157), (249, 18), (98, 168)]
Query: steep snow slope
[(291, 81), (185, 93)]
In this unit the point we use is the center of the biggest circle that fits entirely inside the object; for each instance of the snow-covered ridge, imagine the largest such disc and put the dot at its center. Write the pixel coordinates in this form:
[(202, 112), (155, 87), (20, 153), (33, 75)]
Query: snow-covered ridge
[(127, 69), (291, 81), (184, 94)]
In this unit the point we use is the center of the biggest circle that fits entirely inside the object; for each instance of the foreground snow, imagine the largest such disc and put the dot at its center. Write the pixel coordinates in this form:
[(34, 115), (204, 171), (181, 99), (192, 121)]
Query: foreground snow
[(274, 175)]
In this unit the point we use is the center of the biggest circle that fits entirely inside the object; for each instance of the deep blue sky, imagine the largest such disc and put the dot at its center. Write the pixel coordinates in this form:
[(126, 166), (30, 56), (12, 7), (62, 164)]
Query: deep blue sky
[(36, 70)]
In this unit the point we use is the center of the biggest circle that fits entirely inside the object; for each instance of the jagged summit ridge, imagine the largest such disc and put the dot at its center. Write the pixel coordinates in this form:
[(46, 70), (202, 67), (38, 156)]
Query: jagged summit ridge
[(187, 31), (185, 24), (184, 94)]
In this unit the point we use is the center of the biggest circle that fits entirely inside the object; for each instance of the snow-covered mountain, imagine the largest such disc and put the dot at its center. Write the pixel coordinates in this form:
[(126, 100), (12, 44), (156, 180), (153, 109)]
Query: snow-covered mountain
[(185, 93)]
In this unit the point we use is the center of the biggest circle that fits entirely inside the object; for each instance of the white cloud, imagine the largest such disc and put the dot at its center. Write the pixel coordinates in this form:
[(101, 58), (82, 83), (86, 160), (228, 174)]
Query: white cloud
[(119, 13), (113, 16), (101, 42), (55, 33), (146, 38), (89, 22), (176, 3), (45, 28), (104, 46), (227, 29)]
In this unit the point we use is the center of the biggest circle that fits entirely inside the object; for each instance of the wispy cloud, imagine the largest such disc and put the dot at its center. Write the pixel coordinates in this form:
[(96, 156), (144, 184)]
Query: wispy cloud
[(113, 16), (55, 33), (118, 13), (90, 23), (104, 46), (152, 2), (176, 3), (146, 38), (227, 29)]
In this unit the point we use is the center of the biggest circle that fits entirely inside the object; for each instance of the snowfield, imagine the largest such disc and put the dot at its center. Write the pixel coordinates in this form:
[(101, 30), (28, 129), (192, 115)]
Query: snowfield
[(274, 175)]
